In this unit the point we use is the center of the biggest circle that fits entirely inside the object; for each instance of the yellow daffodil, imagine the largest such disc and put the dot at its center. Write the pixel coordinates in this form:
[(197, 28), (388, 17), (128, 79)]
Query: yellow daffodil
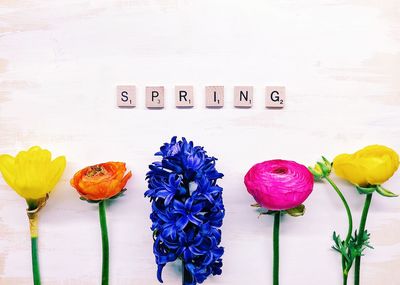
[(372, 165), (32, 174)]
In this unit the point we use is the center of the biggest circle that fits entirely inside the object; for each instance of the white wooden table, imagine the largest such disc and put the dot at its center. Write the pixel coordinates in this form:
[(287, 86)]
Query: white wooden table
[(60, 62)]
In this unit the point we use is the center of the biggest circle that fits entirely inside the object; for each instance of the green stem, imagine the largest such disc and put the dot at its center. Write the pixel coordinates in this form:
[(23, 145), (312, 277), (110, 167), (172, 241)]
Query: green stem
[(33, 226), (186, 277), (350, 228), (35, 261), (104, 238), (348, 211), (345, 278), (345, 273), (361, 230), (277, 219)]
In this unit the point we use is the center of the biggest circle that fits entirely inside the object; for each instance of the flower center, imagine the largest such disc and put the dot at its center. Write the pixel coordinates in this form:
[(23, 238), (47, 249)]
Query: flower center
[(280, 170), (96, 170)]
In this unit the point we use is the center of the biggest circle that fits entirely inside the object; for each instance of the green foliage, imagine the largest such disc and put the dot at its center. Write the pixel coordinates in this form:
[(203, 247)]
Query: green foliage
[(121, 193), (384, 192), (350, 250), (296, 212), (378, 188)]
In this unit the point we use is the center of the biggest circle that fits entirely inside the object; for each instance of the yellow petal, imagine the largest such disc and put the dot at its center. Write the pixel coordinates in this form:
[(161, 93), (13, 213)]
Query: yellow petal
[(381, 163), (394, 158), (373, 151), (378, 169), (338, 161), (373, 165), (354, 173), (31, 172), (56, 169), (34, 148), (7, 168), (346, 167), (317, 169)]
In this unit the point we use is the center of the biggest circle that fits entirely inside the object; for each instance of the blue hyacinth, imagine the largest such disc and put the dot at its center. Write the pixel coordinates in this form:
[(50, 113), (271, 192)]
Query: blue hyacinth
[(187, 210)]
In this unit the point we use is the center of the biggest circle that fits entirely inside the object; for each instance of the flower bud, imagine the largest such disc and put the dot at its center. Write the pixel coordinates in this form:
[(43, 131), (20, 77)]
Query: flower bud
[(321, 169)]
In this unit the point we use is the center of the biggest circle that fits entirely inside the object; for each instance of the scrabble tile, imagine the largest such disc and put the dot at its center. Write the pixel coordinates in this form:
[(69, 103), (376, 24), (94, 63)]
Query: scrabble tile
[(243, 96), (155, 96), (126, 96), (214, 96), (275, 96), (184, 96)]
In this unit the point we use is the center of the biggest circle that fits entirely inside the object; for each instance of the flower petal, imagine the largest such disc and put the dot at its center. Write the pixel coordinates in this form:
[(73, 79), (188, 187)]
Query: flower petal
[(57, 167), (7, 168), (31, 173)]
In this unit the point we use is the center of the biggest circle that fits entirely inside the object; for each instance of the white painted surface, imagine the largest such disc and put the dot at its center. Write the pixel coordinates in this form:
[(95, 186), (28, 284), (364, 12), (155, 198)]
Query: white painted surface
[(60, 62)]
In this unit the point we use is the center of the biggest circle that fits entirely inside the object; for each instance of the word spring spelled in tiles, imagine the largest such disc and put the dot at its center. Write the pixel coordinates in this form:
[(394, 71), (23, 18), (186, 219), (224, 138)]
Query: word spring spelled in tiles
[(214, 96)]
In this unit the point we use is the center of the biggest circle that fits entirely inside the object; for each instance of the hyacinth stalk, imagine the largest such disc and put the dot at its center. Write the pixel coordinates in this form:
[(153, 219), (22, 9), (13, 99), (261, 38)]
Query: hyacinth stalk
[(187, 210)]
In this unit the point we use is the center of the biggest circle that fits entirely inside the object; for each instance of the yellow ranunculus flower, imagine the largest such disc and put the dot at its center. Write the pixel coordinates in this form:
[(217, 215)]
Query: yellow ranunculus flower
[(372, 165), (32, 174)]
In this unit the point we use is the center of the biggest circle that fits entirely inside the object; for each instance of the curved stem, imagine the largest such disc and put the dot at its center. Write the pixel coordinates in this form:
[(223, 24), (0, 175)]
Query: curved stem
[(348, 211), (277, 219), (361, 230), (186, 277), (104, 239), (33, 225)]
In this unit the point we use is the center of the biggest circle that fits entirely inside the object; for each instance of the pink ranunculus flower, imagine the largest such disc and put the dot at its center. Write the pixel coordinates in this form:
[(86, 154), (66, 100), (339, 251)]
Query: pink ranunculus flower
[(279, 184)]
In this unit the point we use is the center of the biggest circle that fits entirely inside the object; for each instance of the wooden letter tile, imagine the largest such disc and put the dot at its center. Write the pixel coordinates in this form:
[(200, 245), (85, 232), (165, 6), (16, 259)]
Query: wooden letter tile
[(275, 96), (184, 96), (214, 96), (155, 97), (243, 96), (126, 96)]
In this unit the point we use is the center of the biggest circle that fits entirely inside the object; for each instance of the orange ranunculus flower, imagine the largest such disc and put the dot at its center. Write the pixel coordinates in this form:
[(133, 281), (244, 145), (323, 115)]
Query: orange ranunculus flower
[(101, 181)]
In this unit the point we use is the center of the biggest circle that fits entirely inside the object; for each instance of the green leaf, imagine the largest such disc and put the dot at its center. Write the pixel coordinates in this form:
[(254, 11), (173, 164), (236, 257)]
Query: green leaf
[(324, 168), (366, 190), (297, 212), (327, 162), (359, 248), (385, 192), (317, 176), (269, 212), (89, 201), (256, 205)]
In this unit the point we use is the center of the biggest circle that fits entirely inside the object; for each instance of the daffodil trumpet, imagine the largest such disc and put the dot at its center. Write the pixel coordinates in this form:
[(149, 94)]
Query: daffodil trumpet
[(367, 169), (321, 171), (33, 175), (97, 184)]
